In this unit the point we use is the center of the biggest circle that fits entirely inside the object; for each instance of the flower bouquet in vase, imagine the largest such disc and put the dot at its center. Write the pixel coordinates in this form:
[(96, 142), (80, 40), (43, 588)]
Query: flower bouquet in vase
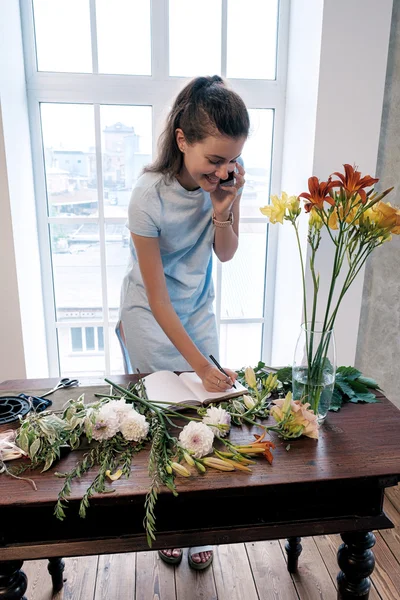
[(356, 222)]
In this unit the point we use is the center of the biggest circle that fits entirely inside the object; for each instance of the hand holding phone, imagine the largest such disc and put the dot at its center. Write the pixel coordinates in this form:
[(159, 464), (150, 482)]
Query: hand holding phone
[(230, 180)]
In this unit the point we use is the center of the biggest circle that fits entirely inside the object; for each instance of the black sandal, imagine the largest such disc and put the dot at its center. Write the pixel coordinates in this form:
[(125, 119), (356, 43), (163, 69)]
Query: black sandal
[(171, 560)]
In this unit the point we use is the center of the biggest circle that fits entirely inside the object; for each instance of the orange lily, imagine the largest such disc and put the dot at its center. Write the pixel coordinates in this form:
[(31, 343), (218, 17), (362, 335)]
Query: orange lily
[(318, 193), (352, 182), (259, 446)]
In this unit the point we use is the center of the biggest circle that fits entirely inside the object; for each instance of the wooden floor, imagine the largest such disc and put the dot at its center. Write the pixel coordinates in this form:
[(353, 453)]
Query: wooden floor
[(240, 572)]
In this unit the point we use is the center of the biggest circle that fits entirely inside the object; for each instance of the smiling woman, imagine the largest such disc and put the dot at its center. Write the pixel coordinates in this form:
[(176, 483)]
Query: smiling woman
[(178, 213)]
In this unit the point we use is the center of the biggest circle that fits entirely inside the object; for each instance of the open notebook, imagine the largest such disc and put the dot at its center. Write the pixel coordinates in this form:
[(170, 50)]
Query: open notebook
[(185, 388)]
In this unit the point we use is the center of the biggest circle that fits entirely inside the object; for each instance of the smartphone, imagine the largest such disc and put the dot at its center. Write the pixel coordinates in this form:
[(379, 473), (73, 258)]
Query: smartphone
[(230, 179)]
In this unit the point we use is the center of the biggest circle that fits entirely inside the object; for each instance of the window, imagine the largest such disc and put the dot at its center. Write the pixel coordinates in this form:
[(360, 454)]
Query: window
[(100, 78)]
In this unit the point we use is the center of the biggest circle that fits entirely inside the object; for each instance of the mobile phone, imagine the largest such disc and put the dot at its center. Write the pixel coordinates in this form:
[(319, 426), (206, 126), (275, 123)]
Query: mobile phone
[(230, 179)]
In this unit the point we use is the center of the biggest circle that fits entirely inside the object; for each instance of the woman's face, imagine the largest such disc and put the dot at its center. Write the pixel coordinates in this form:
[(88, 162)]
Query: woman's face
[(208, 161)]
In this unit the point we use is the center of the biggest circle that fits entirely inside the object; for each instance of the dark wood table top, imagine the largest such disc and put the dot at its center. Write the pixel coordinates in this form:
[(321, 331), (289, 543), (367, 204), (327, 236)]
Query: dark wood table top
[(331, 485), (359, 441)]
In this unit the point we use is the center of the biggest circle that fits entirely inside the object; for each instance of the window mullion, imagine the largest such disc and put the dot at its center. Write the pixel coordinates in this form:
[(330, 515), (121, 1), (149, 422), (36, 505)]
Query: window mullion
[(159, 39), (224, 36), (102, 238), (93, 35)]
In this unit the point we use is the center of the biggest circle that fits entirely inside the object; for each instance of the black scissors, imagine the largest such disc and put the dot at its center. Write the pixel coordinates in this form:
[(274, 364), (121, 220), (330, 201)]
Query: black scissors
[(63, 383)]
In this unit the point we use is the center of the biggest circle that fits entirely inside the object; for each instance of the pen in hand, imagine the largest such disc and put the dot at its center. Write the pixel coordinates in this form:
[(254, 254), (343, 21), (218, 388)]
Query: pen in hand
[(216, 363)]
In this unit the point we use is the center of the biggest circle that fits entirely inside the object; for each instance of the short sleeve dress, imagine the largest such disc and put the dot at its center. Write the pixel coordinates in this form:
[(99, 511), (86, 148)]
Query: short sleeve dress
[(182, 222)]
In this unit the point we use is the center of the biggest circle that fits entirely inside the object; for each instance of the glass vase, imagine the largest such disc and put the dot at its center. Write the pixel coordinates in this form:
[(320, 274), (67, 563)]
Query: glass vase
[(314, 368)]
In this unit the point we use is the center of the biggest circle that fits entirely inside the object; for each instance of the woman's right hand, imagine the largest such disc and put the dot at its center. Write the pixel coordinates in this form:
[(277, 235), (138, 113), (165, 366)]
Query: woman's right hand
[(215, 381)]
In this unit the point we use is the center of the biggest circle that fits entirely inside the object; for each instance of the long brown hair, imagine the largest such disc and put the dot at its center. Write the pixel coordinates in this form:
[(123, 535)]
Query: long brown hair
[(205, 106)]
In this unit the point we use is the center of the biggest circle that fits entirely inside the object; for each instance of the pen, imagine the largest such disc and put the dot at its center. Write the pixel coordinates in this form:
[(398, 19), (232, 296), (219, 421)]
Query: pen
[(216, 363)]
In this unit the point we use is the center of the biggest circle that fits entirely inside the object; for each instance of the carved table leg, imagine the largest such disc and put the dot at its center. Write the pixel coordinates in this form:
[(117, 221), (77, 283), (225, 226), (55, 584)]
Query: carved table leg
[(356, 561), (56, 568), (13, 582), (293, 550)]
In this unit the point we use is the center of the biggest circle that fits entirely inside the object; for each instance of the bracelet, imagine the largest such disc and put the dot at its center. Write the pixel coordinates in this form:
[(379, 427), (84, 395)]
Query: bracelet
[(227, 223)]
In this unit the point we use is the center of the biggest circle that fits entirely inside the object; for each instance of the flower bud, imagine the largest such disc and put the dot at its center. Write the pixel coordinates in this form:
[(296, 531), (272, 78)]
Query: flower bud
[(180, 469), (115, 475), (248, 402), (188, 459), (216, 463), (250, 377)]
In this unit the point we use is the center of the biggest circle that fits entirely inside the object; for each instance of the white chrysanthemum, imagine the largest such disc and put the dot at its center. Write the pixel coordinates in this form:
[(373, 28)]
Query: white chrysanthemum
[(197, 438), (134, 426), (120, 407), (218, 416), (106, 424)]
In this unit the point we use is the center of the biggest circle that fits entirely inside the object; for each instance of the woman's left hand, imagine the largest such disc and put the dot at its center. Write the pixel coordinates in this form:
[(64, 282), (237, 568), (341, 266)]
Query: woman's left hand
[(224, 196)]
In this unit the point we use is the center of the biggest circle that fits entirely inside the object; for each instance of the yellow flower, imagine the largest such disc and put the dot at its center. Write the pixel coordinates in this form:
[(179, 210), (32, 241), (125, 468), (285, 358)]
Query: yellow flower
[(333, 220), (250, 377), (276, 210), (315, 220), (387, 216)]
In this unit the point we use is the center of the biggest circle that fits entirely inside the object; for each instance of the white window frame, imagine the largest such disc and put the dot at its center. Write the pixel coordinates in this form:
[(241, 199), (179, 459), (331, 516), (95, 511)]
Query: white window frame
[(84, 350), (156, 90)]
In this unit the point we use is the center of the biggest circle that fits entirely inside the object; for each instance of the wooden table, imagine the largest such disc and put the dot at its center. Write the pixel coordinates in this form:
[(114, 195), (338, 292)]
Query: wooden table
[(335, 485)]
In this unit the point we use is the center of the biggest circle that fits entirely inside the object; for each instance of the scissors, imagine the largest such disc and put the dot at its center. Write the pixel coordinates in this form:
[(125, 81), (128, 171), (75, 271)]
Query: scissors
[(63, 383)]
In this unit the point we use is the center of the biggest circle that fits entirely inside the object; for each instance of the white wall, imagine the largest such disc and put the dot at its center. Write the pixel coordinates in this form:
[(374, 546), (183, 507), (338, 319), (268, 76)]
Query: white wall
[(18, 202), (351, 80), (12, 361)]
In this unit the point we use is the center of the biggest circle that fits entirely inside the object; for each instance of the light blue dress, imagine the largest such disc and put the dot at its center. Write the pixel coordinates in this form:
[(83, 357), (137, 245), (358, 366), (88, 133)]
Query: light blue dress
[(182, 222)]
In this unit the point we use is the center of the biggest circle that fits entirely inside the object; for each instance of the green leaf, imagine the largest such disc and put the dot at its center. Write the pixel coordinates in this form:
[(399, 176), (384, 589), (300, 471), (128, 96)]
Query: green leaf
[(285, 375), (23, 441), (369, 382), (358, 387), (368, 397), (345, 388), (337, 400), (349, 372), (34, 448)]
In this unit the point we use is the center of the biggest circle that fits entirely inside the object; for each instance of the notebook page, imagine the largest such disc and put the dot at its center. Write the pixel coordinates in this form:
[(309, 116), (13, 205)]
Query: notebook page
[(166, 386), (193, 382)]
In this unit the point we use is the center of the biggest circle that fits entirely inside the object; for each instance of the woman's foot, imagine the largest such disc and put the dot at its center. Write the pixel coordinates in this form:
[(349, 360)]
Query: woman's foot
[(172, 556), (200, 557)]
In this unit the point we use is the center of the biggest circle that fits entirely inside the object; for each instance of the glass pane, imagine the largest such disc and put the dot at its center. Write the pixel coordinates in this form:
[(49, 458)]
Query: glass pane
[(89, 334), (62, 29), (76, 268), (77, 364), (257, 162), (252, 37), (124, 36), (76, 339), (117, 255), (126, 144), (243, 276), (100, 338), (240, 344), (194, 37), (70, 159)]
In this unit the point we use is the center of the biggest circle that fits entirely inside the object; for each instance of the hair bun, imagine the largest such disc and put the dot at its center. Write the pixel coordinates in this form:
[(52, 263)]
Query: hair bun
[(203, 83)]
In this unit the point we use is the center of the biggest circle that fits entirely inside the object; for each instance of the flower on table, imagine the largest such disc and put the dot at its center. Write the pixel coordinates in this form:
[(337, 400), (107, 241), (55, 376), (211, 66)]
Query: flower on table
[(106, 424), (218, 420), (197, 438), (294, 418), (134, 426), (120, 407)]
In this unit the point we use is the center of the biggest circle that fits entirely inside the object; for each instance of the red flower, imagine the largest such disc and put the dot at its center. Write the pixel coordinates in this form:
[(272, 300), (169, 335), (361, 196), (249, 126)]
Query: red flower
[(319, 193), (353, 183)]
